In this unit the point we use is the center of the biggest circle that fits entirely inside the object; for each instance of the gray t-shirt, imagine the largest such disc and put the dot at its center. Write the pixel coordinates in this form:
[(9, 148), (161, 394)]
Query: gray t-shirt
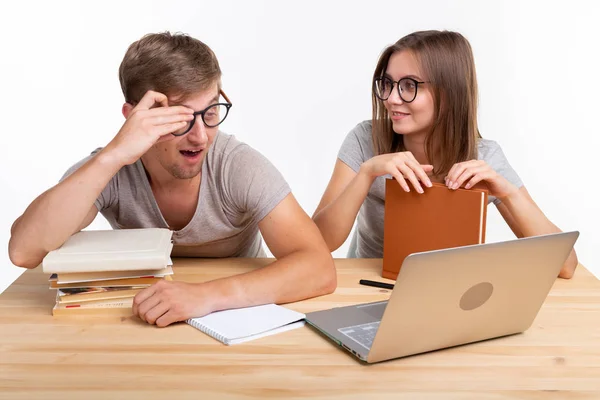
[(239, 188), (357, 148)]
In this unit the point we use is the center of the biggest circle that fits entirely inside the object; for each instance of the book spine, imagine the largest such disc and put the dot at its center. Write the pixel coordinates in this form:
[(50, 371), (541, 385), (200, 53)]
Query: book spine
[(484, 202)]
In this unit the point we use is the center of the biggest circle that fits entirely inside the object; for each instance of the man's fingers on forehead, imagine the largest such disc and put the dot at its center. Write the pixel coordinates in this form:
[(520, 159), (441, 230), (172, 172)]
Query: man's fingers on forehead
[(181, 110), (161, 99), (172, 110), (152, 98)]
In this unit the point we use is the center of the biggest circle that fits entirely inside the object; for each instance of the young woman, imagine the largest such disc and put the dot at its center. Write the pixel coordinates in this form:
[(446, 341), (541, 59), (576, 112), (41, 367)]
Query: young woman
[(424, 129)]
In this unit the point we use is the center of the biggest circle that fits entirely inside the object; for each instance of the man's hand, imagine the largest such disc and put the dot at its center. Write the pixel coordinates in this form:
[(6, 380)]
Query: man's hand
[(147, 125), (166, 302)]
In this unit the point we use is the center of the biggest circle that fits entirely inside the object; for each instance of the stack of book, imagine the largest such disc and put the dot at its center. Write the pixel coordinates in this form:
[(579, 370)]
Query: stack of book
[(100, 272)]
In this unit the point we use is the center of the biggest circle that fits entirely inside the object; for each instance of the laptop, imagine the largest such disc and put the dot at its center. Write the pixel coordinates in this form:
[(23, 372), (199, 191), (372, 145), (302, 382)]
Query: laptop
[(450, 297)]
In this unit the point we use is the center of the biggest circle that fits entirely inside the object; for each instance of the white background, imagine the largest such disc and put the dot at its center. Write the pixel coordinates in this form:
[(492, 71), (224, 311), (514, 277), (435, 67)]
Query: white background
[(299, 75)]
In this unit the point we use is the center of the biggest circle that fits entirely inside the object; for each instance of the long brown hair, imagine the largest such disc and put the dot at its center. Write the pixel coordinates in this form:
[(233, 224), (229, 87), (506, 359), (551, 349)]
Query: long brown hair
[(172, 64), (446, 60)]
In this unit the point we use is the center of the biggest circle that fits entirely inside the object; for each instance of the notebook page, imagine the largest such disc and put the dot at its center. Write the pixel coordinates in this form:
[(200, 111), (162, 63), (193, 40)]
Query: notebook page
[(236, 324), (281, 329)]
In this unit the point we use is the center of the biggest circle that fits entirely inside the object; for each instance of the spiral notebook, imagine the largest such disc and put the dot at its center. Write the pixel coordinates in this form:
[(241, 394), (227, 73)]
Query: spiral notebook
[(244, 324)]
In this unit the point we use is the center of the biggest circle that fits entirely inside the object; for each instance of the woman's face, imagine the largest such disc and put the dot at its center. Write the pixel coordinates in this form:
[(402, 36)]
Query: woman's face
[(415, 117)]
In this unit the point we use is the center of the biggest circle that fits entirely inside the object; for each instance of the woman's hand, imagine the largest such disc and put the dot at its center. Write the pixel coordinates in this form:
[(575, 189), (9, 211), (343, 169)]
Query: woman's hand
[(402, 166), (475, 171)]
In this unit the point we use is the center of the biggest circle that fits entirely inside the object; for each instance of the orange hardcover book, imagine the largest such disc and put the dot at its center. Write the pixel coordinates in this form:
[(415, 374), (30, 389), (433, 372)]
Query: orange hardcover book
[(438, 219)]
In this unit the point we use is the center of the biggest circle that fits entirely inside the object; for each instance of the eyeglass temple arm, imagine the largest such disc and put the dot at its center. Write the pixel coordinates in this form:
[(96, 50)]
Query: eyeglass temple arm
[(224, 96)]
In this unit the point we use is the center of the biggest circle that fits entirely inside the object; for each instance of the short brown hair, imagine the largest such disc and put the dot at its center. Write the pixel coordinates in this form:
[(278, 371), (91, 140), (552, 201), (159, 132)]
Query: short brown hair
[(446, 60), (172, 64)]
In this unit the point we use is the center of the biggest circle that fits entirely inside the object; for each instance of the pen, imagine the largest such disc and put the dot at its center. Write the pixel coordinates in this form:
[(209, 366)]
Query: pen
[(382, 285)]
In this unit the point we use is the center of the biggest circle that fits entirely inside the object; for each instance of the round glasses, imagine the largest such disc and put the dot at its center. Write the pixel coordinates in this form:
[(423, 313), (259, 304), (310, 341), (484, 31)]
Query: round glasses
[(407, 88), (211, 116)]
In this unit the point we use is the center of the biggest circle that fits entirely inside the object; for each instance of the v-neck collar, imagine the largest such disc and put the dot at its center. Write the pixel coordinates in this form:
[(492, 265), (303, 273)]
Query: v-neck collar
[(156, 208)]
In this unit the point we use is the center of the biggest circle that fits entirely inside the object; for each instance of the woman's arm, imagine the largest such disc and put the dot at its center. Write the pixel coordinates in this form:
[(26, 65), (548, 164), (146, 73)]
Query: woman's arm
[(518, 209), (340, 204), (525, 218), (347, 191)]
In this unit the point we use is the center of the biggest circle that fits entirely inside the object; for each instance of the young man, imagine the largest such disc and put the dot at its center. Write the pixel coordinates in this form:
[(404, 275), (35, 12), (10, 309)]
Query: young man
[(169, 166)]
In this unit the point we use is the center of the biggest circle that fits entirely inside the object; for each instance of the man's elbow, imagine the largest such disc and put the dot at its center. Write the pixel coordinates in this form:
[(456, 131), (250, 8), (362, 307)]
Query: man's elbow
[(21, 258), (328, 275)]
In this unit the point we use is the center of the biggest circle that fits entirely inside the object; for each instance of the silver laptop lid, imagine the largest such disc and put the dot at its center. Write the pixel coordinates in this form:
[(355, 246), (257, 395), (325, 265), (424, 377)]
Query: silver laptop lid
[(450, 297)]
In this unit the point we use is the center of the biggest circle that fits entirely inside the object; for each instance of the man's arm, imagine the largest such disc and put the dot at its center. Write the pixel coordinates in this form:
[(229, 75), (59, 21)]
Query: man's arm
[(69, 206), (58, 213), (304, 269)]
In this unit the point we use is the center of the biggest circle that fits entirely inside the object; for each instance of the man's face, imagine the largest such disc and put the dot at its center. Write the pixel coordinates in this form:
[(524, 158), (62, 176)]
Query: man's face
[(182, 156)]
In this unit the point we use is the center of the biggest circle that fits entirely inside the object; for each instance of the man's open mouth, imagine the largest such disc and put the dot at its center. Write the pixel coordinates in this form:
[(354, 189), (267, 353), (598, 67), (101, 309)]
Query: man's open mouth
[(190, 153)]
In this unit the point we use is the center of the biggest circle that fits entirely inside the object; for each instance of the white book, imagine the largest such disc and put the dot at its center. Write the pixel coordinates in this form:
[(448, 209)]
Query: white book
[(112, 250), (244, 324)]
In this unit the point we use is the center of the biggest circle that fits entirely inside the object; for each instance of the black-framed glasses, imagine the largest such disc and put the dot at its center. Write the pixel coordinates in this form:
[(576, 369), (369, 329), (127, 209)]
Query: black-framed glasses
[(407, 88), (212, 116)]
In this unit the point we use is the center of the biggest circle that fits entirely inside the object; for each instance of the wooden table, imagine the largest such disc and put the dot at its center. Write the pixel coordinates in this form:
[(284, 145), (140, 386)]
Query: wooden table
[(86, 358)]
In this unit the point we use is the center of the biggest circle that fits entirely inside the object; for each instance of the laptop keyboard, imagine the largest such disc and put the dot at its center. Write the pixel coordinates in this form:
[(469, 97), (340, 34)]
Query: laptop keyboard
[(375, 310), (363, 334)]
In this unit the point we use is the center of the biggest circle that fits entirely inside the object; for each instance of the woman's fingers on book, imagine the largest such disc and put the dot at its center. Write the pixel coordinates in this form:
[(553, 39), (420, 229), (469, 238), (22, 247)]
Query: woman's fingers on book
[(458, 170), (400, 179), (479, 172), (409, 174), (475, 175), (420, 170)]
